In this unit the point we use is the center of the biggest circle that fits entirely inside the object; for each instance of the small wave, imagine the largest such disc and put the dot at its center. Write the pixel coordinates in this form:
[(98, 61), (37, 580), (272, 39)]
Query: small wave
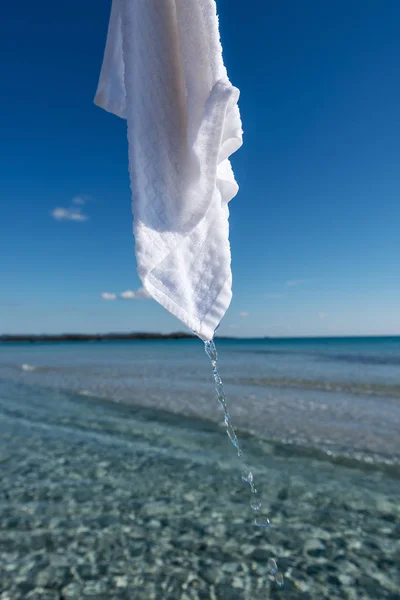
[(28, 368), (349, 358), (369, 389), (364, 359), (350, 458), (87, 393)]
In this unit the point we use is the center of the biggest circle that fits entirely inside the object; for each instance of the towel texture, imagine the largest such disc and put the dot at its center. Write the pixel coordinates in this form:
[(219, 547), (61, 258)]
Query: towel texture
[(163, 71)]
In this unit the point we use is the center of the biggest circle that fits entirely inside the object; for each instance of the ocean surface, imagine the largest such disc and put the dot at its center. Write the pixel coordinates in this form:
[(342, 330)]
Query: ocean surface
[(112, 452), (340, 396)]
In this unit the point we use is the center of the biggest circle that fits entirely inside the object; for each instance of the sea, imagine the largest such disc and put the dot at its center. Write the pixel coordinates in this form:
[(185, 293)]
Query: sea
[(111, 452)]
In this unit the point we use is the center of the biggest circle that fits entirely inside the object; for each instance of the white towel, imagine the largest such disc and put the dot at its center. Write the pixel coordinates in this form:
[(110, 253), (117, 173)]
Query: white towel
[(163, 71)]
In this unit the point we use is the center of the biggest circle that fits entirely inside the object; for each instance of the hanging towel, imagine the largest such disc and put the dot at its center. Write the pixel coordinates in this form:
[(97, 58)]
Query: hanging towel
[(164, 73)]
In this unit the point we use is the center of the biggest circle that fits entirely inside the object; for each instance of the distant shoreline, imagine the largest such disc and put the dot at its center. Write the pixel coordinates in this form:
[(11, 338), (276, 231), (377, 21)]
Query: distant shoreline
[(120, 337), (96, 337)]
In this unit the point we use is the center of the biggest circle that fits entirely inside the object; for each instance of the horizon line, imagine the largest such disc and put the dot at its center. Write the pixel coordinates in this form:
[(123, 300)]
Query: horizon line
[(143, 335)]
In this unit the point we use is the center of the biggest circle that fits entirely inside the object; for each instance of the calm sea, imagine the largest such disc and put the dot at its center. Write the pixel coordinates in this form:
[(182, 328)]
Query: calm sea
[(339, 397), (118, 480)]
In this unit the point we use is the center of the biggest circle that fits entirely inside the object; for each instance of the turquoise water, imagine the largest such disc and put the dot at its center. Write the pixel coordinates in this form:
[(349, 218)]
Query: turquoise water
[(118, 480), (340, 396)]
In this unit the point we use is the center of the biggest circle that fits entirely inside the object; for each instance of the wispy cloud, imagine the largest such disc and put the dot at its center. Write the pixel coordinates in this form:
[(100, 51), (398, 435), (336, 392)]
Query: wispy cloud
[(294, 282), (68, 214), (138, 294), (244, 314), (128, 295), (73, 212), (108, 296), (80, 200)]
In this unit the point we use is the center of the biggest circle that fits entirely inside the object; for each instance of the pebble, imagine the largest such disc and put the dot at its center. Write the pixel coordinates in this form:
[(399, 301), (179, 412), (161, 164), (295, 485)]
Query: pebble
[(261, 555), (314, 547)]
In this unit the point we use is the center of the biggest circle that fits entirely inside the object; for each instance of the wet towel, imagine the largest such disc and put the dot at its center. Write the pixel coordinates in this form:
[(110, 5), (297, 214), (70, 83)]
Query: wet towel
[(163, 71)]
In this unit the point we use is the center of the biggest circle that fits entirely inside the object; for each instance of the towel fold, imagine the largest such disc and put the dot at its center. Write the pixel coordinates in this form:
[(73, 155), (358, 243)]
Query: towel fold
[(163, 71)]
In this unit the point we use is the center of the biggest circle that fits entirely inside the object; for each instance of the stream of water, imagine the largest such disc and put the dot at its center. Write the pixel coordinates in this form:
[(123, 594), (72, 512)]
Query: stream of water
[(247, 474)]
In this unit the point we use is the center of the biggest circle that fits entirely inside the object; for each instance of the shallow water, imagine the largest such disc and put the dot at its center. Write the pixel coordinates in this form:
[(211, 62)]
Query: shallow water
[(340, 396), (135, 499)]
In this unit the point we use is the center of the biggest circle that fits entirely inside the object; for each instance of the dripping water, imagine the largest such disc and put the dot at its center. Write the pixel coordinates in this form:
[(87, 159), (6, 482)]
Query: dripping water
[(247, 475), (211, 352)]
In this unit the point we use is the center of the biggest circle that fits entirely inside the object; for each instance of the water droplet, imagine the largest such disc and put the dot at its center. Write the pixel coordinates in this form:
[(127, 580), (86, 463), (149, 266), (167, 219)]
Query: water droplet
[(247, 475), (256, 505), (279, 579), (262, 522), (272, 566)]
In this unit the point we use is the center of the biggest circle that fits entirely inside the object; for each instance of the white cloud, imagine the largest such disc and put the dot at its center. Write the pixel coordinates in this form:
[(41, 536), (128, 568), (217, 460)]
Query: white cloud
[(74, 212), (79, 200), (244, 314), (82, 199), (108, 296), (68, 214), (139, 294), (128, 295), (294, 282)]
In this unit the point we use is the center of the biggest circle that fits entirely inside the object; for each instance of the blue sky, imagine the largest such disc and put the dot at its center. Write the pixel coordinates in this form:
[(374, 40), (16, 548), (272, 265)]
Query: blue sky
[(315, 229)]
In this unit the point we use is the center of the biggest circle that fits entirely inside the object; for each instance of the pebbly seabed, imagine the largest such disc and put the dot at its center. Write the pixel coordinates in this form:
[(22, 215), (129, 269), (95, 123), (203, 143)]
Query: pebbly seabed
[(104, 500)]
